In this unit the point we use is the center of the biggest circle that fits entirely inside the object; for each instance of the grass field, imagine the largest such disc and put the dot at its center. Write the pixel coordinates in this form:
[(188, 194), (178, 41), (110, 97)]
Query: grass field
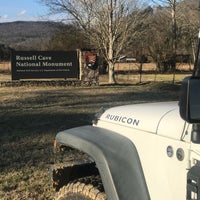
[(130, 76), (31, 116)]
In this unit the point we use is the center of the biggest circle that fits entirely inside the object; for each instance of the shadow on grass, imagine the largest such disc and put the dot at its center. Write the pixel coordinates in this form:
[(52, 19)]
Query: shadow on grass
[(38, 119), (30, 120)]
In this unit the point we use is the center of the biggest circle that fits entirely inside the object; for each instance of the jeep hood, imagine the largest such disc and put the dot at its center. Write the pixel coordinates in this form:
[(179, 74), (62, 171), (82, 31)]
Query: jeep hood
[(151, 117)]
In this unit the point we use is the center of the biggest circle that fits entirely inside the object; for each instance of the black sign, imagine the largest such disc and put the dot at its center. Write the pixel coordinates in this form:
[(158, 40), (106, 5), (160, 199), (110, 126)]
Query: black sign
[(44, 64)]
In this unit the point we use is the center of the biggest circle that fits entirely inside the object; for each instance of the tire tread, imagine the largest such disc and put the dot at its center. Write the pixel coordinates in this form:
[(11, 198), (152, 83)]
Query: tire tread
[(90, 187)]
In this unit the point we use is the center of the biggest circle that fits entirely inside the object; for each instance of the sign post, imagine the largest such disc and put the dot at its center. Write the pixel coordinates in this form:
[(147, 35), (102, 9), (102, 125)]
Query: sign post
[(44, 64)]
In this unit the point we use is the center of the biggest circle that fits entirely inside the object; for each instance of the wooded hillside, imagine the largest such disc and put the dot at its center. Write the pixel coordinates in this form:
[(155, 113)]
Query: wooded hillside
[(28, 35)]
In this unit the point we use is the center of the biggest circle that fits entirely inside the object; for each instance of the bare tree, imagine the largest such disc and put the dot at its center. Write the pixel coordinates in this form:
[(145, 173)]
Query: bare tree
[(107, 23), (173, 11), (172, 5), (185, 21), (190, 24)]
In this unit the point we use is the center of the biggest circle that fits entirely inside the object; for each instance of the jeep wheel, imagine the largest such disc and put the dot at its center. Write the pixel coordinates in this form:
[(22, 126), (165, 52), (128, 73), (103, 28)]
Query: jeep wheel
[(87, 188)]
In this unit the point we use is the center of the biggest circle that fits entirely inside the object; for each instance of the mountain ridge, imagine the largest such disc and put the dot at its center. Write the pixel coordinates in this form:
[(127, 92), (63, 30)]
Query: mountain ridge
[(28, 35)]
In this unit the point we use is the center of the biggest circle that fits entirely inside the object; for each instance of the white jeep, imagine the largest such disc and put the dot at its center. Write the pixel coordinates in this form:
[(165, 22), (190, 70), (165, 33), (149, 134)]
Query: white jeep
[(134, 152)]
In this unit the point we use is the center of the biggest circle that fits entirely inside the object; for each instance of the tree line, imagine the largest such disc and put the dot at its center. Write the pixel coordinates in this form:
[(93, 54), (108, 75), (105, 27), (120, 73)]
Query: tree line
[(159, 29)]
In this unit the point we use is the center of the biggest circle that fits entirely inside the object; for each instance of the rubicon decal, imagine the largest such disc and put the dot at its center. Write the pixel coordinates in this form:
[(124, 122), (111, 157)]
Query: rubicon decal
[(123, 119)]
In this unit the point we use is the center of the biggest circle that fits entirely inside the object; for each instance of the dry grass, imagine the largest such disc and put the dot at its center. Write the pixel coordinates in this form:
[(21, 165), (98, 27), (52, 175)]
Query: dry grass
[(130, 76), (5, 66), (134, 78), (149, 66), (31, 116)]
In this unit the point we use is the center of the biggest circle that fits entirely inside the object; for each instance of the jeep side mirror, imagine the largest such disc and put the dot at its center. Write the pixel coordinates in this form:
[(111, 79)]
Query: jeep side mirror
[(190, 99), (195, 136)]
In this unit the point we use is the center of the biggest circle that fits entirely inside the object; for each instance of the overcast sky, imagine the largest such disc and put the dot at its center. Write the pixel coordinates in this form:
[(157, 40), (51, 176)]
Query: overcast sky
[(21, 10)]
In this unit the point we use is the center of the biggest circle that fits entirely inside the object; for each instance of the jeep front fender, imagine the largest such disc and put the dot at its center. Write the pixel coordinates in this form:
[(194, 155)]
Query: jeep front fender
[(116, 158)]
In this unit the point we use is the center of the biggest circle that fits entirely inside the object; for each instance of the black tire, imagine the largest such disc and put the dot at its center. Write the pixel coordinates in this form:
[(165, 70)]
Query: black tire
[(87, 188)]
